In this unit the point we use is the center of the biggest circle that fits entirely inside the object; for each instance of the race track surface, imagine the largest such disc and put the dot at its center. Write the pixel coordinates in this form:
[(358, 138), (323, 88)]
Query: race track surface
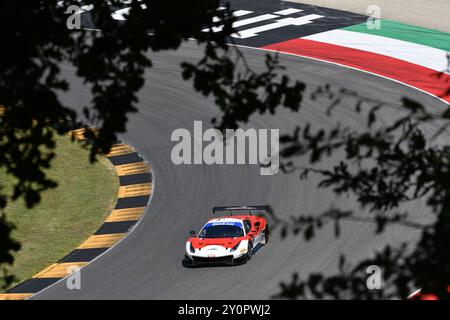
[(147, 264)]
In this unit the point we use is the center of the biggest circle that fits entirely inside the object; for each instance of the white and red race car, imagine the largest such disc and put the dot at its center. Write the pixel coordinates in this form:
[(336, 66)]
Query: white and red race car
[(229, 239)]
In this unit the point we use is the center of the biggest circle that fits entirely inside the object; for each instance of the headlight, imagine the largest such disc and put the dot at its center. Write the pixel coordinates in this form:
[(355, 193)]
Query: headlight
[(191, 248), (235, 247)]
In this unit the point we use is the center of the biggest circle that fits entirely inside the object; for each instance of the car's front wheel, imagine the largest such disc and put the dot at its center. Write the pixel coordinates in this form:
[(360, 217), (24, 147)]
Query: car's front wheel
[(249, 250), (186, 262)]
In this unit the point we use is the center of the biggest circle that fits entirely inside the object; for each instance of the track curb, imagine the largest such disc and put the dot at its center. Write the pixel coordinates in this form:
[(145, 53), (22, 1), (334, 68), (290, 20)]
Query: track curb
[(136, 185)]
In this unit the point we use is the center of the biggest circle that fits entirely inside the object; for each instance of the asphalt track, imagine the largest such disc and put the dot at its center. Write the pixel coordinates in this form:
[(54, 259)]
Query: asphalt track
[(147, 264)]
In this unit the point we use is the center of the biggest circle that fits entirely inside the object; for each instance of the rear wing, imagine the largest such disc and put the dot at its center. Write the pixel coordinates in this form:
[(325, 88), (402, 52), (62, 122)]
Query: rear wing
[(249, 209)]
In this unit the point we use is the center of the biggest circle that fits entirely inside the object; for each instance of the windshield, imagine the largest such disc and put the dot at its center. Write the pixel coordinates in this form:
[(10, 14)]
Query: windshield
[(221, 231)]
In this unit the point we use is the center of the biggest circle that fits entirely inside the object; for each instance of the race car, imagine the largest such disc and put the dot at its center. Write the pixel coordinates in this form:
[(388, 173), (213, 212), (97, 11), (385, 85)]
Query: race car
[(229, 239)]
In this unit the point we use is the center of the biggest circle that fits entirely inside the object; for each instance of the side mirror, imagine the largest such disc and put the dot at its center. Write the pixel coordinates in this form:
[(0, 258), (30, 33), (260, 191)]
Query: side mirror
[(192, 233)]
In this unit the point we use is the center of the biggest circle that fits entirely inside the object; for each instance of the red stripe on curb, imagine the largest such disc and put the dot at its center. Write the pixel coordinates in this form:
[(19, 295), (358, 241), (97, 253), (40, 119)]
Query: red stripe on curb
[(428, 80)]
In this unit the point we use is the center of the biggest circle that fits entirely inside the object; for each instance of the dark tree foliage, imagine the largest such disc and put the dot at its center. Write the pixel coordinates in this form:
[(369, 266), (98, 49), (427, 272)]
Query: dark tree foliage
[(383, 167), (35, 40), (240, 94)]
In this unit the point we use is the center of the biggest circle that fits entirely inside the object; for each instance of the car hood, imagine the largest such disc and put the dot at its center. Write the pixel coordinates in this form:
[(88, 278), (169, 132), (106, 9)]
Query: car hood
[(199, 243)]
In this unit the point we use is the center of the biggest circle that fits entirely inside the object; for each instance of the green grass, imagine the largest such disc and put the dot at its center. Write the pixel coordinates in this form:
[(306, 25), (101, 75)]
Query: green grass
[(66, 215)]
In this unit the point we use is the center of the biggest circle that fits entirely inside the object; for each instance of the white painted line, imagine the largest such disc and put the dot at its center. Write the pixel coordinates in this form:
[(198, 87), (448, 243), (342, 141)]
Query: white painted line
[(240, 13), (244, 34), (120, 14), (287, 12), (414, 293), (254, 20)]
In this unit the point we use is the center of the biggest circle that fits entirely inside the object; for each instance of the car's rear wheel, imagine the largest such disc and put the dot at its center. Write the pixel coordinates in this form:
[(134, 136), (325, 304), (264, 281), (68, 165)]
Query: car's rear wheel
[(266, 234)]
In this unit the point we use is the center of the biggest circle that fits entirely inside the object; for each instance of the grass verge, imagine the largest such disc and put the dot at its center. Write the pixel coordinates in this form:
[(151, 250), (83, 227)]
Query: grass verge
[(66, 215)]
